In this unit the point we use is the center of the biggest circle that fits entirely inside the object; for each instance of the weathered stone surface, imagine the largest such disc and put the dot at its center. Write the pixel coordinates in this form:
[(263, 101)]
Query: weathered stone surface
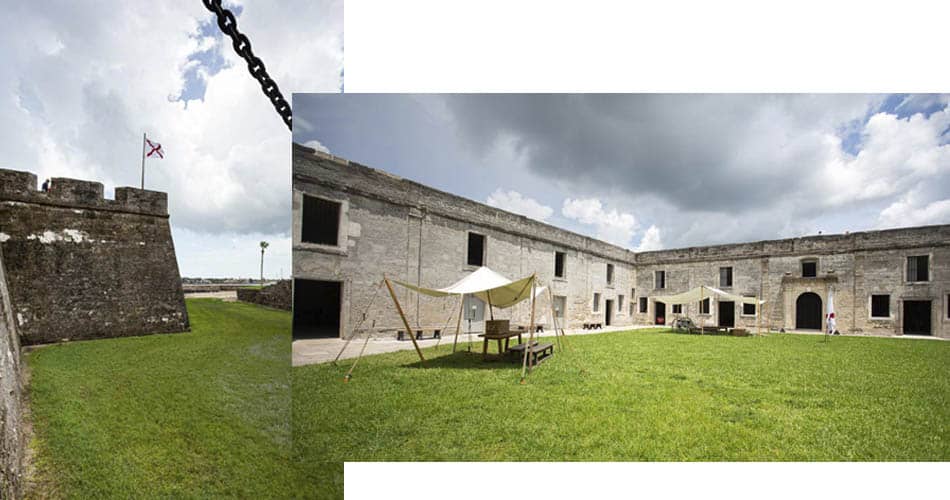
[(12, 441), (277, 295), (82, 267), (414, 233)]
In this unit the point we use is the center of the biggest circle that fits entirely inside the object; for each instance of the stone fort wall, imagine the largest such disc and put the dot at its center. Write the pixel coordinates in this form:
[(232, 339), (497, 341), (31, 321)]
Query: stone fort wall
[(80, 266), (12, 440), (415, 233)]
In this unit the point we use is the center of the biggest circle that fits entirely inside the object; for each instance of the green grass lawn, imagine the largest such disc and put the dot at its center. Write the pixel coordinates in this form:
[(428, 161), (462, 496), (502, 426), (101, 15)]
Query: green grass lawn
[(628, 396), (197, 414)]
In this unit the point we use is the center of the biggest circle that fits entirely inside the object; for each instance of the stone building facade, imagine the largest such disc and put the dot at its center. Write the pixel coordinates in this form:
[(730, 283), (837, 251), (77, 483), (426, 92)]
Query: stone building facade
[(353, 224), (80, 266)]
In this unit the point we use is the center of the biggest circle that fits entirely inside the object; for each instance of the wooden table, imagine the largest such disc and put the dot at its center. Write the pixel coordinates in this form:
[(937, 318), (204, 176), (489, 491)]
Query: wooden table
[(506, 336)]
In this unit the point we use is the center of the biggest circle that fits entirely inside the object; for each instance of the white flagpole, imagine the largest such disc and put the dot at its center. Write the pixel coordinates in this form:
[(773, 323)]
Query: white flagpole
[(143, 160)]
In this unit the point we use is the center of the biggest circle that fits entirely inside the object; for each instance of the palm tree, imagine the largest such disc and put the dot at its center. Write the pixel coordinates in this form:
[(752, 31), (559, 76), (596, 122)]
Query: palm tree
[(264, 246)]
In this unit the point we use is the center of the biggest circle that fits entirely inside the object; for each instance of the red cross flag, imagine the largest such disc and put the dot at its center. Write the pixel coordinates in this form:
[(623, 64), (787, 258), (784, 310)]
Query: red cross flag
[(153, 149), (156, 149)]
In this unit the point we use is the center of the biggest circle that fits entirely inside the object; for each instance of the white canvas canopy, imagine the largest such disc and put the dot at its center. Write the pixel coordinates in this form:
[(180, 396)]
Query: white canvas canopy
[(703, 292), (487, 285)]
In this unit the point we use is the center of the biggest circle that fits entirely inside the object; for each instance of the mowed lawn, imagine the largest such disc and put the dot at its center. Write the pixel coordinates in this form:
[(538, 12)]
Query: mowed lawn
[(638, 395), (198, 414)]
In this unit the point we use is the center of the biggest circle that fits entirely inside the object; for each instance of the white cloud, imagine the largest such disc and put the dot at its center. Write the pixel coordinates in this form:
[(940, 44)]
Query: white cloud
[(911, 212), (81, 82), (650, 240), (514, 201), (317, 145), (611, 226)]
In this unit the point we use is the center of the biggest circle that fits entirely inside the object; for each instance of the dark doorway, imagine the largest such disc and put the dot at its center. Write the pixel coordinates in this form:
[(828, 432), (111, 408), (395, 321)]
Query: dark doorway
[(727, 314), (317, 306), (808, 312), (917, 317), (608, 312), (660, 313)]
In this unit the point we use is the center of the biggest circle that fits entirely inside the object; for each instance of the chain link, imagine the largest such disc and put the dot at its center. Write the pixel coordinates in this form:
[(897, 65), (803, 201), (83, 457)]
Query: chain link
[(228, 24)]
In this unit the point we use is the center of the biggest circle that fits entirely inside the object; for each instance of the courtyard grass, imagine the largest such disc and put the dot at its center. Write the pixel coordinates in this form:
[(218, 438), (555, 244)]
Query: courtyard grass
[(630, 396), (199, 414)]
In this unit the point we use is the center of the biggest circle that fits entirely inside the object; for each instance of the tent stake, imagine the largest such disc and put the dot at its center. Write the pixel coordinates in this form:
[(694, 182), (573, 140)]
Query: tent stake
[(405, 322)]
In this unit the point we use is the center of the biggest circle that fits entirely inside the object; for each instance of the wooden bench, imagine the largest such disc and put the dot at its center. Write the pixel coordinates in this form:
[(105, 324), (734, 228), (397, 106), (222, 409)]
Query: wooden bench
[(536, 352), (436, 334)]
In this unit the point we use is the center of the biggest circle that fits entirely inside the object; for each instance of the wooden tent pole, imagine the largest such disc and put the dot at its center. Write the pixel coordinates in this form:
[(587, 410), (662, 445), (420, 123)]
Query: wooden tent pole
[(458, 324), (524, 362), (758, 313), (491, 310), (405, 322), (554, 318), (701, 316)]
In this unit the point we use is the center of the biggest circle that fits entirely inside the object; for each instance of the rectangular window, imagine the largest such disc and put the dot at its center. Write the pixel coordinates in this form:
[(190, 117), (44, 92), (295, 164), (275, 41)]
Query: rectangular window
[(948, 306), (704, 306), (725, 276), (659, 280), (917, 268), (560, 303), (596, 302), (809, 268), (643, 304), (559, 258), (610, 274), (880, 306), (321, 221), (620, 303), (476, 249), (677, 308), (748, 309)]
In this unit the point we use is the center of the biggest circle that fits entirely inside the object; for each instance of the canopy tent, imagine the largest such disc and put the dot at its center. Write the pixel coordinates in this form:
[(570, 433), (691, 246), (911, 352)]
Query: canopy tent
[(701, 293), (487, 285)]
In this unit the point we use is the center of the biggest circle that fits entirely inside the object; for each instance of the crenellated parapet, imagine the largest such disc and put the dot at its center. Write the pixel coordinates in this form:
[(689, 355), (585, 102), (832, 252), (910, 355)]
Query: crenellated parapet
[(80, 266), (21, 186)]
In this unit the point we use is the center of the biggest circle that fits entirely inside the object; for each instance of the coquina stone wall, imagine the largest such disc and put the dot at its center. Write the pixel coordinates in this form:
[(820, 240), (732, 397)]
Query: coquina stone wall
[(418, 234), (80, 266), (277, 295), (12, 441)]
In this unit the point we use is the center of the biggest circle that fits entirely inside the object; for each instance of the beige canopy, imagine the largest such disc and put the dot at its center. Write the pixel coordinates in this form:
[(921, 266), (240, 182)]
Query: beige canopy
[(485, 284), (703, 292)]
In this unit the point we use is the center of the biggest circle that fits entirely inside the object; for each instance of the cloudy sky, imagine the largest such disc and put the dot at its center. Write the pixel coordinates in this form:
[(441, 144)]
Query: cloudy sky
[(82, 80), (654, 171)]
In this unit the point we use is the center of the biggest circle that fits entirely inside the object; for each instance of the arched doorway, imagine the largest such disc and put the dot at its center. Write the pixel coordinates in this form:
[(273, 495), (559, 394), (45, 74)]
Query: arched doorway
[(808, 312)]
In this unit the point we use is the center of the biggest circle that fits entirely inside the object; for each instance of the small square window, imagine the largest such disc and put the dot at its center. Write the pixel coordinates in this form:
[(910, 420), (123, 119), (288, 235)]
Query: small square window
[(880, 306), (748, 309), (809, 268), (704, 306), (559, 258), (476, 249), (610, 274), (643, 304), (659, 280), (321, 221), (725, 276), (596, 302), (677, 308), (917, 268)]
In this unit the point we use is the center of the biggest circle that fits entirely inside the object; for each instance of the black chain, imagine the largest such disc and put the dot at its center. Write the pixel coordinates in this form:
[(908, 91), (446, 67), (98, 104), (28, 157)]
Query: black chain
[(242, 46)]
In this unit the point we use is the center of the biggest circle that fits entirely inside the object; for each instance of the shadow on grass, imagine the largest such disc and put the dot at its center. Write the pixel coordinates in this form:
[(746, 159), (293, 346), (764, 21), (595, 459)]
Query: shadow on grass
[(465, 360)]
